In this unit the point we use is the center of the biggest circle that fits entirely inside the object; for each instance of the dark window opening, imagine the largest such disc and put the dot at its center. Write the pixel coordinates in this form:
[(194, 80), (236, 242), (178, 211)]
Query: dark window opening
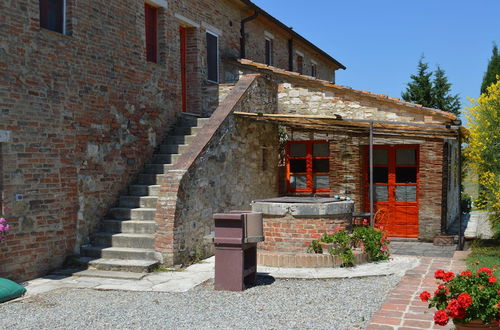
[(406, 174), (52, 15), (298, 165), (269, 51), (314, 70), (151, 20), (212, 57), (380, 175)]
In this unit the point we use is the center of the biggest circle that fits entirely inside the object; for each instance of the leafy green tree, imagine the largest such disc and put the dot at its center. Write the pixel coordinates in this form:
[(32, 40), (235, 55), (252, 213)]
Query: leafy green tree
[(420, 89), (431, 93), (442, 99), (490, 76)]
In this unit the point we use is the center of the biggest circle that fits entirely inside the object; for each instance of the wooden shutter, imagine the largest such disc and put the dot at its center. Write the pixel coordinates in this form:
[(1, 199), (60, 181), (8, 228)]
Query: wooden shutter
[(151, 20), (212, 58), (52, 15)]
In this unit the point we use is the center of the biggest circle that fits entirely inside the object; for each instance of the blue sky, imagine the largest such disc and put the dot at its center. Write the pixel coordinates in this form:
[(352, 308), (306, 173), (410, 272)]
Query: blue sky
[(381, 41)]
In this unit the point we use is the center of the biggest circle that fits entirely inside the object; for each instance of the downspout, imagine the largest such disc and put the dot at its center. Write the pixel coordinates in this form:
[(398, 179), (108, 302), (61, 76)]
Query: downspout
[(372, 220), (242, 32), (460, 234)]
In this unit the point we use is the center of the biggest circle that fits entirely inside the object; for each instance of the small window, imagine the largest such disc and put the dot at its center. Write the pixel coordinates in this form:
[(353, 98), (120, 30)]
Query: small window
[(300, 64), (269, 51), (308, 166), (212, 57), (333, 77), (52, 15), (151, 21), (314, 70)]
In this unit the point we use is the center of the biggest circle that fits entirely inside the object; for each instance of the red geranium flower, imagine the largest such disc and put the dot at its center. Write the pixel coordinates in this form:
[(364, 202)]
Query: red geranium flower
[(439, 274), (466, 273), (464, 299), (492, 279), (455, 310), (441, 318), (424, 296), (440, 289), (484, 270), (448, 276)]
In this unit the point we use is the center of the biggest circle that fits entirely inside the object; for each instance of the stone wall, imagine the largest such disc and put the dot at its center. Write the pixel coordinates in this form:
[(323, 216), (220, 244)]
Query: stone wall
[(232, 162), (296, 99)]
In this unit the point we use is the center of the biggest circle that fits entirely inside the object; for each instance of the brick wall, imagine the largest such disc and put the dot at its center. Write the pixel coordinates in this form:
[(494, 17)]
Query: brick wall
[(291, 234)]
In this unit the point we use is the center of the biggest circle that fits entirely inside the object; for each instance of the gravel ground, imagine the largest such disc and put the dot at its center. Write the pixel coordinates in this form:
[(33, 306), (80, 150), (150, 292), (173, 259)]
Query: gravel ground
[(280, 304)]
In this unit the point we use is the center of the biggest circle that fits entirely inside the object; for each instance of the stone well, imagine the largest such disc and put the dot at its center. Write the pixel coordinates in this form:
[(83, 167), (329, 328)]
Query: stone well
[(290, 223)]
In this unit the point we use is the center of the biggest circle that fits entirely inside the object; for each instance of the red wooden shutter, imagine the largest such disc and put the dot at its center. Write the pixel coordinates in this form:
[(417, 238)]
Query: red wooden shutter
[(151, 20)]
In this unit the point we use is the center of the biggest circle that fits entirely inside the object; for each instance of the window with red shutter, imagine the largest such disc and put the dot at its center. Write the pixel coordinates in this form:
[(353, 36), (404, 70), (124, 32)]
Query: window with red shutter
[(52, 15), (151, 20), (308, 166)]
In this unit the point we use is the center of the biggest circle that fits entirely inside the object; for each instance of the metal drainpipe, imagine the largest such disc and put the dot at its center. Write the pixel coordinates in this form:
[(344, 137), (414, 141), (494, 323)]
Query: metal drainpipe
[(460, 236), (372, 220), (242, 31)]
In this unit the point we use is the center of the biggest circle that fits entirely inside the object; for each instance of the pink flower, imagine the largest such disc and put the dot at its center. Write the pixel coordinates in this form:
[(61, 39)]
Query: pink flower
[(365, 222), (330, 232), (307, 243), (1, 227), (2, 220), (6, 228)]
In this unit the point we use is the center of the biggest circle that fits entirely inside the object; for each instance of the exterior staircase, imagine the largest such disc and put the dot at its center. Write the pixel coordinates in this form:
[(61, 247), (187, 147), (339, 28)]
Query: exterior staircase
[(126, 240)]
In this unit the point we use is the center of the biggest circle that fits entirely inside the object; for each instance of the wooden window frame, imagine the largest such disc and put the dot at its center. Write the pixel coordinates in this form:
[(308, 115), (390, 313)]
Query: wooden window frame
[(314, 70), (309, 168), (217, 64), (45, 13), (151, 31), (269, 51)]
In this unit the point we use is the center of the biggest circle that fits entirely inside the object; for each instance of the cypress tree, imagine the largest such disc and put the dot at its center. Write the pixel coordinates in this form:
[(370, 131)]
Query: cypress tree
[(492, 71)]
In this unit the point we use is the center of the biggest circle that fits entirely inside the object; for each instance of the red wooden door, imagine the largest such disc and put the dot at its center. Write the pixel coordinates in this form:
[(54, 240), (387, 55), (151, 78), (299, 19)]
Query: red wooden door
[(396, 187), (183, 39)]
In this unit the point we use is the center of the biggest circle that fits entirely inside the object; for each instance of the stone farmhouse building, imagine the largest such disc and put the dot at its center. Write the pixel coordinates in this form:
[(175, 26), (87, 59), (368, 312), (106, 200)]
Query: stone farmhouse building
[(125, 124)]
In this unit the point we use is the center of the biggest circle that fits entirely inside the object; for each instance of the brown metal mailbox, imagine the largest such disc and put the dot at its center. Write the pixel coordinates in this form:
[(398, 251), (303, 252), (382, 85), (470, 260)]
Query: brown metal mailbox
[(236, 237)]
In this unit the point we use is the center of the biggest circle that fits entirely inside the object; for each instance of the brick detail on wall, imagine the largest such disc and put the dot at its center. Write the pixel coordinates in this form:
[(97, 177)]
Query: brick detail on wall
[(291, 234)]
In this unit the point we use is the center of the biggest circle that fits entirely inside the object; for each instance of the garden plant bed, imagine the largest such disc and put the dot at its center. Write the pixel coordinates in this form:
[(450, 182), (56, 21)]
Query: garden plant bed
[(304, 260)]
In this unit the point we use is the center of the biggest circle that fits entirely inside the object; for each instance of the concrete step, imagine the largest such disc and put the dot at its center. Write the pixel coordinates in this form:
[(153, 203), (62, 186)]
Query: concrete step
[(188, 120), (135, 266), (144, 190), (138, 201), (129, 226), (127, 240), (179, 139), (173, 148), (150, 179), (156, 168), (109, 274), (162, 159), (186, 130), (118, 253), (125, 213)]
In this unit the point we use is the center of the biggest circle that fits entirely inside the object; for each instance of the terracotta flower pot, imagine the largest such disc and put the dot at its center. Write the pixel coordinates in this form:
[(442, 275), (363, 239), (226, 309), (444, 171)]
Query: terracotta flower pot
[(476, 324), (326, 247)]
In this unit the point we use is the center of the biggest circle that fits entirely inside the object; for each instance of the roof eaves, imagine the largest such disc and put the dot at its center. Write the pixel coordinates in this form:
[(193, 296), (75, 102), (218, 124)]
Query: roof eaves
[(292, 32)]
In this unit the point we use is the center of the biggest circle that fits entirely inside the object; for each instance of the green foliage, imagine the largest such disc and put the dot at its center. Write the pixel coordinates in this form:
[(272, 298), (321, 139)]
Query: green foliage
[(483, 149), (485, 253), (431, 93), (490, 76), (314, 247), (375, 242), (342, 247), (465, 202), (420, 89)]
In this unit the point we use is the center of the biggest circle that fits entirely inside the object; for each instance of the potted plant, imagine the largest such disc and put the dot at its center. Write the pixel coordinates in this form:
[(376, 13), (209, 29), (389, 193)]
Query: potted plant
[(4, 228), (472, 301)]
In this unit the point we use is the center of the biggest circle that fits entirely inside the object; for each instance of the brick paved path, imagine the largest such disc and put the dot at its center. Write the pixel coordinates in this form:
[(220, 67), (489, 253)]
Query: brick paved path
[(403, 309)]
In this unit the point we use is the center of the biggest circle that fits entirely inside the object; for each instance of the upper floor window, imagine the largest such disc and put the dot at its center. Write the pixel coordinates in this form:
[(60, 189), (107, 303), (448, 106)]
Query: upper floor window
[(212, 57), (151, 21), (300, 63), (333, 77), (52, 15), (314, 70), (308, 166), (269, 51)]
